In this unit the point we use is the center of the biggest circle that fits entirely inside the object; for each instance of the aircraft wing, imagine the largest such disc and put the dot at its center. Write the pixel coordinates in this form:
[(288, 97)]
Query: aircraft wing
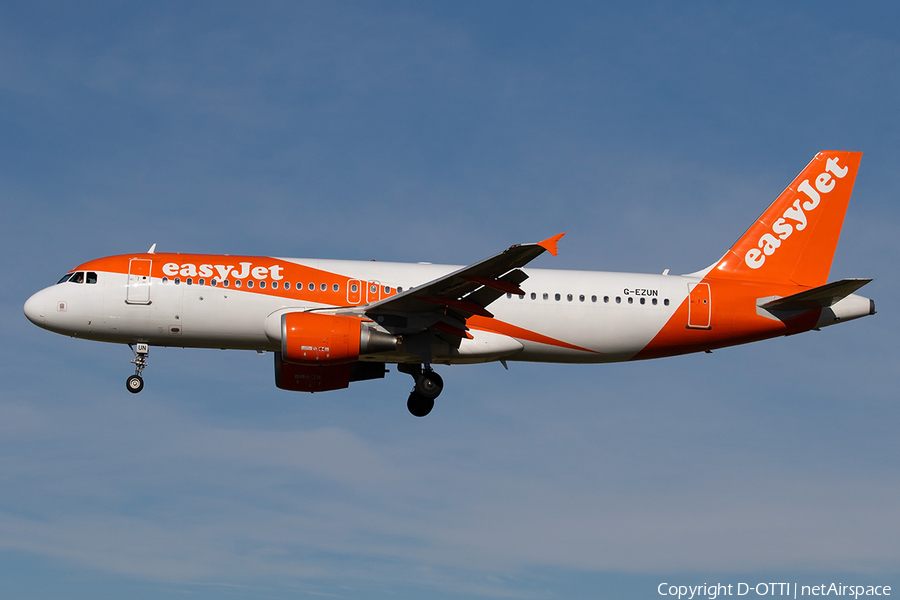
[(457, 296)]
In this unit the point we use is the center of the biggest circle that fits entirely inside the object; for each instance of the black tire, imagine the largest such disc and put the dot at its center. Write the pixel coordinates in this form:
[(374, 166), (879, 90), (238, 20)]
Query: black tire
[(419, 406), (134, 384), (429, 385)]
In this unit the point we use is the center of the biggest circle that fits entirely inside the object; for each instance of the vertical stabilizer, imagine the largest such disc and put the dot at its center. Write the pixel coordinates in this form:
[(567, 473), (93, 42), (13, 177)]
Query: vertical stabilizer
[(795, 238)]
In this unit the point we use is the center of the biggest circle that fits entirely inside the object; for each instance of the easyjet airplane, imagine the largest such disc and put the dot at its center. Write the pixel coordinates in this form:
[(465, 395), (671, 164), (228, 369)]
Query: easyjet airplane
[(333, 322)]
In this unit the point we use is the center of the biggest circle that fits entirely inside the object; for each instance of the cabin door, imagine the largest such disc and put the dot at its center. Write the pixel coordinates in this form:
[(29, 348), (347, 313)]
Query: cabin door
[(700, 306), (138, 281)]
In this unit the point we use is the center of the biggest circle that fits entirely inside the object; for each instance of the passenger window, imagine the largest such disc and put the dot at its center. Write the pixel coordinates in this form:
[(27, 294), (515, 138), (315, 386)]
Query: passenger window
[(593, 298), (91, 277), (557, 296), (533, 296), (312, 287), (666, 301), (569, 297), (336, 288), (201, 281), (508, 295), (399, 289), (77, 277), (618, 300), (654, 302), (213, 282), (274, 285), (165, 280), (387, 289), (354, 288), (189, 281), (581, 298), (546, 296), (643, 300), (299, 286), (238, 283), (630, 300), (65, 278), (521, 296), (224, 283), (177, 280), (262, 284), (373, 289), (249, 283)]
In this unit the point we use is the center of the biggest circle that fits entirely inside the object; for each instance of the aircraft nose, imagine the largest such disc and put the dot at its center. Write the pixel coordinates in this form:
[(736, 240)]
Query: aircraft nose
[(34, 309)]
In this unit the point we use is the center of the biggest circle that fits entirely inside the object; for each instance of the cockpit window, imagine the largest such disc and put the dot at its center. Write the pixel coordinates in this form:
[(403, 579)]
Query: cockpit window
[(65, 278), (91, 277), (77, 277)]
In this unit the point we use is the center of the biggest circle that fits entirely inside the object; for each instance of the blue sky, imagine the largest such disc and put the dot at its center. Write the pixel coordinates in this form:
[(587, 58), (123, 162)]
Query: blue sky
[(442, 132)]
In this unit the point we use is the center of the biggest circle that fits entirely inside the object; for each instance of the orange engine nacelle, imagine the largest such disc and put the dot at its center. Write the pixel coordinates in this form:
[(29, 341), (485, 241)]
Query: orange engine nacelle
[(317, 339)]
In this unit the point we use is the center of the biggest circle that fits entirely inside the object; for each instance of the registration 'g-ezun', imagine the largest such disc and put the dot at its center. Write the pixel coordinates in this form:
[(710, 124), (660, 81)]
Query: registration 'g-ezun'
[(333, 322)]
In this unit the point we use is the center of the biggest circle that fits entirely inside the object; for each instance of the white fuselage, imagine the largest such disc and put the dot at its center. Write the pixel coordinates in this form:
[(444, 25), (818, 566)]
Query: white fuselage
[(614, 315)]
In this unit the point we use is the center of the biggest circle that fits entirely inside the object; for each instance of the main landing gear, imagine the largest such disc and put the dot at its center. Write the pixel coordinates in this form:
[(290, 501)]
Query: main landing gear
[(428, 386), (135, 383)]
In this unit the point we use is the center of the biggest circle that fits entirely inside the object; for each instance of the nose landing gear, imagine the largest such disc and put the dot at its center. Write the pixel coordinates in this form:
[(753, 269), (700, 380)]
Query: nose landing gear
[(135, 383), (428, 386)]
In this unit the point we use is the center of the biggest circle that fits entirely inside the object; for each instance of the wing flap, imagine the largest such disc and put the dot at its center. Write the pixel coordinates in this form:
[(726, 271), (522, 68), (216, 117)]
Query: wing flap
[(501, 285)]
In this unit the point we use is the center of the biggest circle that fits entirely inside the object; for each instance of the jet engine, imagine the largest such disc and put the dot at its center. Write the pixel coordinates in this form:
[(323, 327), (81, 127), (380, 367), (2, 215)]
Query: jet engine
[(318, 339)]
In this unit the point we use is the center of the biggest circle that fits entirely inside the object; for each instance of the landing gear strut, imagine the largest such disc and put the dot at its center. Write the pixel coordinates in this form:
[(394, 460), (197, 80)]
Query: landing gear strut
[(428, 386), (135, 383)]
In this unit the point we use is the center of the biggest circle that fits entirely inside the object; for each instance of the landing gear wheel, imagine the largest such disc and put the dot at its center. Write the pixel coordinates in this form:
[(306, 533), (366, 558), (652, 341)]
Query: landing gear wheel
[(429, 385), (419, 406), (134, 384)]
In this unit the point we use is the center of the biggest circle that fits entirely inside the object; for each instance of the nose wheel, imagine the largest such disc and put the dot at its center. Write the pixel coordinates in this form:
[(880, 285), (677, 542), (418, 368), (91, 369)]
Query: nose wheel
[(135, 383), (428, 386)]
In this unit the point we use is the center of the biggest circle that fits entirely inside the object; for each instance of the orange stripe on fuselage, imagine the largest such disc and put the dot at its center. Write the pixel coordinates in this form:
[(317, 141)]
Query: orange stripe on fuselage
[(241, 268), (496, 326), (734, 320)]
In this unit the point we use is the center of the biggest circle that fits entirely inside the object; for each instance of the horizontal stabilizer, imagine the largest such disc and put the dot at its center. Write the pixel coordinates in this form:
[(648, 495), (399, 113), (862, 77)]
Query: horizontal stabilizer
[(819, 297)]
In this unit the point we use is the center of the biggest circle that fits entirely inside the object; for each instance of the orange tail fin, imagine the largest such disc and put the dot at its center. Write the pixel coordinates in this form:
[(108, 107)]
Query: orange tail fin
[(794, 240)]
